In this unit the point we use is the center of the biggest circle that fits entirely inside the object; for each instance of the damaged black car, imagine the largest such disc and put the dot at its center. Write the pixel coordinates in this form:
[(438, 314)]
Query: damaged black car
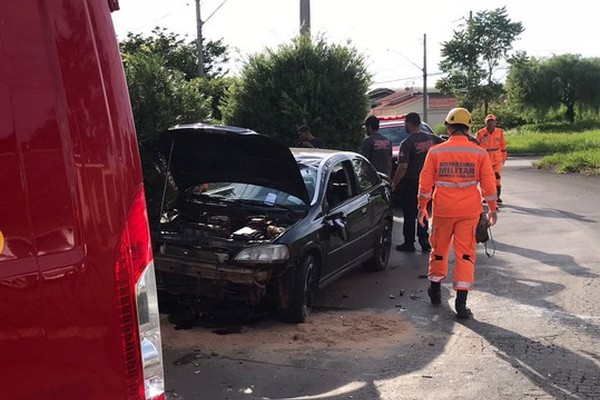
[(247, 219)]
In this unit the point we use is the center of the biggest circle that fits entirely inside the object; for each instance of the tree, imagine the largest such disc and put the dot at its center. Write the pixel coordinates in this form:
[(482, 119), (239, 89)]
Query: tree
[(181, 56), (305, 82), (178, 54), (474, 55), (165, 89), (216, 90), (566, 82), (160, 98)]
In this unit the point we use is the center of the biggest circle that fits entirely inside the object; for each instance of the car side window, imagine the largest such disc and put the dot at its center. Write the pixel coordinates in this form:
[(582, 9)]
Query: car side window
[(425, 128), (339, 188), (366, 175)]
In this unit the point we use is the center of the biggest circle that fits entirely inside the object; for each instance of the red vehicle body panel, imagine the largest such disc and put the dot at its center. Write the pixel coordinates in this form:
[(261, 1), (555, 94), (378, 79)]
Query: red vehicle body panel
[(70, 170)]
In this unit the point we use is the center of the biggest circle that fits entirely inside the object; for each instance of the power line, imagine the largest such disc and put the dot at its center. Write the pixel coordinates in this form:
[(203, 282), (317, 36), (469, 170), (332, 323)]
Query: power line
[(411, 78), (140, 27), (199, 44), (217, 9)]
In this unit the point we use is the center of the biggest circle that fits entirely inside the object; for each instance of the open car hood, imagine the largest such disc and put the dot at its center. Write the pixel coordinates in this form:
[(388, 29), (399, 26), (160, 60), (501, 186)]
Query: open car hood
[(201, 153)]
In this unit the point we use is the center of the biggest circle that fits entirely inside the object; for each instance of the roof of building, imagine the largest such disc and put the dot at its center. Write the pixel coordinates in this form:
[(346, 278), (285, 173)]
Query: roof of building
[(402, 98)]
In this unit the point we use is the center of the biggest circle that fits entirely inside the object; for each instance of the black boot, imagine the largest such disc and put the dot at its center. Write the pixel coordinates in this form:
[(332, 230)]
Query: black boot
[(498, 191), (460, 304), (435, 293)]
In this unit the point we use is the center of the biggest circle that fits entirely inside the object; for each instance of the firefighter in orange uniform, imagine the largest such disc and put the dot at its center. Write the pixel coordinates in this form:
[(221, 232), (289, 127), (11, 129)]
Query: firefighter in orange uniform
[(492, 139), (457, 168)]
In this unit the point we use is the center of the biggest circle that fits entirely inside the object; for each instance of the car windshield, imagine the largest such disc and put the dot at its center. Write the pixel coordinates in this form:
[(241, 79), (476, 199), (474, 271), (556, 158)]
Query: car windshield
[(233, 191), (395, 133), (398, 133)]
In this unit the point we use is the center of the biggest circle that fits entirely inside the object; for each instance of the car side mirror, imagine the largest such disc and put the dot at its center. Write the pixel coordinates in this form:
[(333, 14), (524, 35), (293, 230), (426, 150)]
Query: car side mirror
[(384, 177)]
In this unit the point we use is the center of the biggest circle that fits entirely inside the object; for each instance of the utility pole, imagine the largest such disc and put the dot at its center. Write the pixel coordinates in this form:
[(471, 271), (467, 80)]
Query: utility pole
[(305, 17), (199, 25), (199, 48), (425, 100)]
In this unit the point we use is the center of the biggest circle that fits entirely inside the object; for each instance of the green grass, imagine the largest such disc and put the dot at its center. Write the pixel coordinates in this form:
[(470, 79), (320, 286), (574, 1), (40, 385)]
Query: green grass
[(585, 162), (564, 152)]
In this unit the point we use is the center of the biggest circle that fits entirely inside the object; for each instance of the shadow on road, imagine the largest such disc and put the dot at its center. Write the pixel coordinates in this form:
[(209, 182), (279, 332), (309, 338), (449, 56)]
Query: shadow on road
[(554, 369), (564, 262), (548, 213), (503, 279)]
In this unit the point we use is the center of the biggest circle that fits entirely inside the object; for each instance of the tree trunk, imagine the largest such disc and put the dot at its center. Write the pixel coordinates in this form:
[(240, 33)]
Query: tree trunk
[(570, 112)]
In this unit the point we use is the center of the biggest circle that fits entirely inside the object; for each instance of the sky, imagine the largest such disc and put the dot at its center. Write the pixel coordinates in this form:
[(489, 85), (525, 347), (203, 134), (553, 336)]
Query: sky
[(388, 33)]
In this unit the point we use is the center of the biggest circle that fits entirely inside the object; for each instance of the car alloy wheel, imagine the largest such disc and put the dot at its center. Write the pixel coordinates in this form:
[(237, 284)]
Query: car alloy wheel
[(383, 248), (304, 291)]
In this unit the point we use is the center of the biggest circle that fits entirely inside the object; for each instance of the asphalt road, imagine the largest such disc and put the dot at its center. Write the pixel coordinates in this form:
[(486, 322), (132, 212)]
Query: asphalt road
[(374, 336)]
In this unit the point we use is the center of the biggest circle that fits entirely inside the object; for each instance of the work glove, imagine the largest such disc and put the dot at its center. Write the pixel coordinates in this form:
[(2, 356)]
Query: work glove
[(423, 216)]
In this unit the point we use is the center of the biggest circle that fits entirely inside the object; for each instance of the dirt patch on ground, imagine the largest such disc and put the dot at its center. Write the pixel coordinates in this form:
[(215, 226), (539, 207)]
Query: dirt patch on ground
[(349, 328), (324, 331)]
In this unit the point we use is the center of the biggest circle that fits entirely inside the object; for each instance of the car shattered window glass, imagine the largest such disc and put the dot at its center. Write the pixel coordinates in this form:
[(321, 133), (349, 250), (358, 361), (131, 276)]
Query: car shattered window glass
[(309, 176), (366, 175), (338, 186)]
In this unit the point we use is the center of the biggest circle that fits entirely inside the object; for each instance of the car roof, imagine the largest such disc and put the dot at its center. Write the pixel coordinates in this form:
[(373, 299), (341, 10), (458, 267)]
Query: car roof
[(396, 121), (315, 157)]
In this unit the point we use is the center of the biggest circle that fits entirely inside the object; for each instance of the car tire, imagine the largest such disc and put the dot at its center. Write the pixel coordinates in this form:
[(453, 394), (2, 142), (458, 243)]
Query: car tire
[(303, 291), (383, 248)]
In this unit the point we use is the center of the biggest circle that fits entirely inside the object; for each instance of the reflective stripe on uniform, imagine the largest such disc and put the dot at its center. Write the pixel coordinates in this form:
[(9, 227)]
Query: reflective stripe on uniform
[(456, 184), (425, 195), (456, 149), (461, 285), (436, 278), (495, 149), (491, 198)]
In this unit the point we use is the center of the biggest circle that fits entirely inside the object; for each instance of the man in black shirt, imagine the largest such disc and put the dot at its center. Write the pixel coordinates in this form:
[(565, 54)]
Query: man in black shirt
[(410, 162), (376, 147), (306, 139)]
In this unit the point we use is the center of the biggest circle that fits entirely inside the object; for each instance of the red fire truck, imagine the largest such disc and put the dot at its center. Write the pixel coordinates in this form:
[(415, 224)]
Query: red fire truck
[(78, 307)]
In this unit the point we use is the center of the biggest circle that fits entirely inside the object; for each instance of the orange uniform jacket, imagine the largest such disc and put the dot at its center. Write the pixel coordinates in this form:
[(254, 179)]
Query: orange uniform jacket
[(494, 143), (456, 168)]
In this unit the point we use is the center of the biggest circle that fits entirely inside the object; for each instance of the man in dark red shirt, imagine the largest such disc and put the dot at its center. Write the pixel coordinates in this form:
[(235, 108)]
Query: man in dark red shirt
[(376, 147), (410, 162)]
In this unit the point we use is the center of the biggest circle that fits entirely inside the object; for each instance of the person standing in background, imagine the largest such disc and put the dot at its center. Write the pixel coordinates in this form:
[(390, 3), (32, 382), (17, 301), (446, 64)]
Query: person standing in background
[(492, 139), (412, 154), (376, 147), (306, 138)]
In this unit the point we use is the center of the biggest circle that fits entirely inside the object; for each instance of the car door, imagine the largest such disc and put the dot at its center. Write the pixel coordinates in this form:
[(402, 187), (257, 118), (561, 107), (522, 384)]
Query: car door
[(368, 183), (346, 217)]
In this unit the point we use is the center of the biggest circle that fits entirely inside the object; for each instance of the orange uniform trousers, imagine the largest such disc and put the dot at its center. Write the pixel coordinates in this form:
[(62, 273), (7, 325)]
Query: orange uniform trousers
[(497, 162), (461, 232)]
